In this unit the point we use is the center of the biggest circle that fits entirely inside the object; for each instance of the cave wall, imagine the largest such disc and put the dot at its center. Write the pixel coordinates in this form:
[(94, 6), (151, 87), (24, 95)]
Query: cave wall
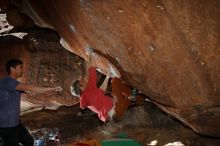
[(11, 47), (46, 63), (168, 49)]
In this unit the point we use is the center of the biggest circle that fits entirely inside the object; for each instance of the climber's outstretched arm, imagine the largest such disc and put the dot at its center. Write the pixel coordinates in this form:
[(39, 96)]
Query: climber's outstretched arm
[(104, 85)]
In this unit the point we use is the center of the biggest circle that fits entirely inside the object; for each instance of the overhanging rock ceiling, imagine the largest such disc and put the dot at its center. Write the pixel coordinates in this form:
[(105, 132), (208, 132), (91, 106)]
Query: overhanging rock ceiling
[(168, 49)]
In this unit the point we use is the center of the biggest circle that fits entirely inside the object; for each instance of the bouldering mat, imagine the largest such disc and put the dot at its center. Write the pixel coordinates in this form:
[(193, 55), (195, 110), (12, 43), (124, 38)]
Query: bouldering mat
[(120, 142)]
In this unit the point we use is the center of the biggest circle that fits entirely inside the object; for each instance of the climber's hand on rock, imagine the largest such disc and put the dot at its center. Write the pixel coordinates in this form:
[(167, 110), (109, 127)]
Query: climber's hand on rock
[(89, 51)]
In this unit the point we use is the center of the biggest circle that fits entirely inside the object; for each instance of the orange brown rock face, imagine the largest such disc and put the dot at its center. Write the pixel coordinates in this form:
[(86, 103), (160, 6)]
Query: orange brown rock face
[(166, 49)]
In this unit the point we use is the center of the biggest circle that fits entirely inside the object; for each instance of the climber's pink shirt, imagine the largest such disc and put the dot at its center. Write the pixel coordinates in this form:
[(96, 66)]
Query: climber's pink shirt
[(94, 98)]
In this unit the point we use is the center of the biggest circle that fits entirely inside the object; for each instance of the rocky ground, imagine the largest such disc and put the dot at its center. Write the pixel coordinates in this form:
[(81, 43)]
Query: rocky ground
[(146, 124)]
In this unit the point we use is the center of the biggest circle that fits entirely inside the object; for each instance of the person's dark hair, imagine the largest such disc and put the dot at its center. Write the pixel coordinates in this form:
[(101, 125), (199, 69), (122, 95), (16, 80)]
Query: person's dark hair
[(75, 88), (12, 63)]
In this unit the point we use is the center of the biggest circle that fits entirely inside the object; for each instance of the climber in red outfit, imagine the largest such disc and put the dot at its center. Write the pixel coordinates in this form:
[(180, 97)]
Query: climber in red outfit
[(92, 97)]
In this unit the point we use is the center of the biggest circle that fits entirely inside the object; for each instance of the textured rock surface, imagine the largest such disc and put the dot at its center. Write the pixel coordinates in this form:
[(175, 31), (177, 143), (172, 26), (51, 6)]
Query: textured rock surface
[(46, 64), (168, 49)]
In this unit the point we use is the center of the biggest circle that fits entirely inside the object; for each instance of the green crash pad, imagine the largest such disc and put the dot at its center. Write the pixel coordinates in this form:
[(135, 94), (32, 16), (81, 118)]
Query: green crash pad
[(120, 142)]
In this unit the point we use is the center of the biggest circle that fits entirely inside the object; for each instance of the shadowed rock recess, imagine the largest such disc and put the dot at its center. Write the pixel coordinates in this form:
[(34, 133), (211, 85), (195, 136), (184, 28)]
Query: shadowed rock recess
[(168, 49)]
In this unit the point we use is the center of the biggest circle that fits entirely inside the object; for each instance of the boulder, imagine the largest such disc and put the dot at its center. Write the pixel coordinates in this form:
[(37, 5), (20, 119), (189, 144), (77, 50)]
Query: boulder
[(168, 50)]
